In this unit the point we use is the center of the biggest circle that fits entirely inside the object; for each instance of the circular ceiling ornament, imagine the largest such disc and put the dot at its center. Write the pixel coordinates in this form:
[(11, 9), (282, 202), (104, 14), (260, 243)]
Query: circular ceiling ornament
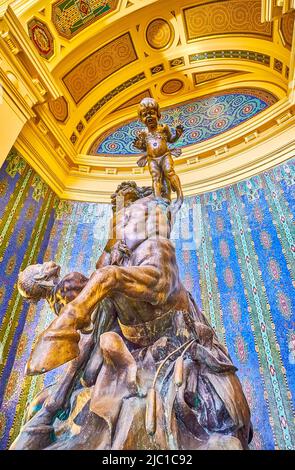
[(172, 86), (159, 34)]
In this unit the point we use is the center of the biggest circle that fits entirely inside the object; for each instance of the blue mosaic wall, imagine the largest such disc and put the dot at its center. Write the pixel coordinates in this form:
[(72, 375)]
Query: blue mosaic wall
[(26, 218), (240, 267), (235, 251), (202, 119), (75, 225)]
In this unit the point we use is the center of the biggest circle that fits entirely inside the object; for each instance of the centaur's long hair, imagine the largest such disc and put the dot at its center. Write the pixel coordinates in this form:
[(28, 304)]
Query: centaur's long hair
[(140, 192)]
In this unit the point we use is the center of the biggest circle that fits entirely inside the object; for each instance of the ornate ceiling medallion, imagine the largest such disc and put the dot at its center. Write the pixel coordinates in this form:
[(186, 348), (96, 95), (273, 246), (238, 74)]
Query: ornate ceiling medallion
[(41, 37), (59, 108), (172, 86), (159, 34)]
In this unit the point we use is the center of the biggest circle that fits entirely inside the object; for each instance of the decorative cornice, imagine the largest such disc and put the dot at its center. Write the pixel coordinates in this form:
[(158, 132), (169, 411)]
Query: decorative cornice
[(246, 159), (52, 170), (11, 30), (271, 9)]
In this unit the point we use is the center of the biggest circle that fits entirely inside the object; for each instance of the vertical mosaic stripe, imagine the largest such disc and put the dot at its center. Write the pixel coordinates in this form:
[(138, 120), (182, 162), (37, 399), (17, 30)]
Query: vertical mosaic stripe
[(32, 254), (24, 226), (270, 362), (285, 232), (12, 211), (210, 294)]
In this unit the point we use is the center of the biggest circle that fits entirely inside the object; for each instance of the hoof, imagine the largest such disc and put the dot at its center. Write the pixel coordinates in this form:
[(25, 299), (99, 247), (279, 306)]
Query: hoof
[(53, 349)]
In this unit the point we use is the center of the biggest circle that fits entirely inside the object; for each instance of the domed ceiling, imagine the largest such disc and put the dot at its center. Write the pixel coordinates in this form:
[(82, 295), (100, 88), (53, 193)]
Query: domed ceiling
[(213, 65), (202, 119)]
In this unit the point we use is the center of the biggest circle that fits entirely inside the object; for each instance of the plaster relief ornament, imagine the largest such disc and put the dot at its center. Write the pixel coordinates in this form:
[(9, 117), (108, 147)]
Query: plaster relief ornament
[(145, 368), (41, 37)]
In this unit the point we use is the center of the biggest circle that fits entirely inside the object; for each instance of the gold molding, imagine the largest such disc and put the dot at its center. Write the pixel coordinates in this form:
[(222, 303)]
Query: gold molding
[(46, 143), (51, 168), (262, 150), (219, 173), (10, 24), (271, 9)]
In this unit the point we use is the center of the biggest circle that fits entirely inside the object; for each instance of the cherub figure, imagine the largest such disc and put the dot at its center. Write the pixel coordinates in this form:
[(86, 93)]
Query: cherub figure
[(153, 140)]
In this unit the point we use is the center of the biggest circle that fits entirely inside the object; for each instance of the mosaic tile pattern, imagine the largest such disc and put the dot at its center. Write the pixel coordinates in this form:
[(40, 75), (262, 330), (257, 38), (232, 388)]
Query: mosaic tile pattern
[(235, 249), (202, 119), (252, 56), (27, 216), (237, 257), (72, 16)]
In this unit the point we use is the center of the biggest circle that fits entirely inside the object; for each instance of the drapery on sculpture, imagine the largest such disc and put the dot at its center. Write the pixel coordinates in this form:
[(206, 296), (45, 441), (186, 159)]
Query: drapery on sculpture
[(146, 369)]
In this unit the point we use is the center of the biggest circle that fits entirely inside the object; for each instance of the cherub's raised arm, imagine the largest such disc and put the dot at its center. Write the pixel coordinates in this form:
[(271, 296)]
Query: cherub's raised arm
[(140, 142), (170, 137)]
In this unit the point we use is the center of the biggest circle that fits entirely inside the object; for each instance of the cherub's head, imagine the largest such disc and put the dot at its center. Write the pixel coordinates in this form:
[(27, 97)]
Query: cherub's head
[(149, 112), (37, 280)]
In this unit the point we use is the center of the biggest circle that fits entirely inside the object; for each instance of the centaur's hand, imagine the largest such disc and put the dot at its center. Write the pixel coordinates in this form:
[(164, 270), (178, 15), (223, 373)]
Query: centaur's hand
[(120, 251)]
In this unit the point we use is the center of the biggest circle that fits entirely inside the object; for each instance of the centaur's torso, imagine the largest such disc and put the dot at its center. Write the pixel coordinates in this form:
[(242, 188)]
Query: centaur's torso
[(144, 227)]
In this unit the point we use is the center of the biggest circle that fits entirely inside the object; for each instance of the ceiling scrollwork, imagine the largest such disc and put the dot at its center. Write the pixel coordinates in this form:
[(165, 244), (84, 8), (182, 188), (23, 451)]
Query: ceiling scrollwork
[(100, 65), (287, 23)]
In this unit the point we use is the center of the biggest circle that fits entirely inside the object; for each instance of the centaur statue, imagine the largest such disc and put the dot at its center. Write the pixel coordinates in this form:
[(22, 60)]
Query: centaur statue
[(146, 369)]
